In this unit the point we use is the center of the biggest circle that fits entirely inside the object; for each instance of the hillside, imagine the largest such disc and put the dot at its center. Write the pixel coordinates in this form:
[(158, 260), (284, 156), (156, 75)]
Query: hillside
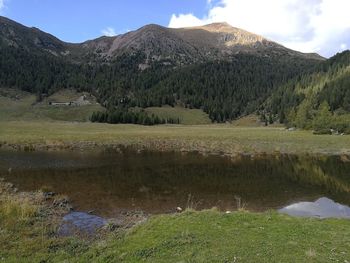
[(319, 101), (225, 71), (20, 105)]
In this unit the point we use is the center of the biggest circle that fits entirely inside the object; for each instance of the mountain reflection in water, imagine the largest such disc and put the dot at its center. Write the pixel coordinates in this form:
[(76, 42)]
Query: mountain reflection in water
[(113, 183)]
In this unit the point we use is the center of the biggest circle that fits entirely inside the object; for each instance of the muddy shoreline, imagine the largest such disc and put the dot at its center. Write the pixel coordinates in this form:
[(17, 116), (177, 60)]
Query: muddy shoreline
[(53, 209)]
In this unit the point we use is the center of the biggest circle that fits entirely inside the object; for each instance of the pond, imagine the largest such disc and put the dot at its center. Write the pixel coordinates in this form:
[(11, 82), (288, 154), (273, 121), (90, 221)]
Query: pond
[(112, 183)]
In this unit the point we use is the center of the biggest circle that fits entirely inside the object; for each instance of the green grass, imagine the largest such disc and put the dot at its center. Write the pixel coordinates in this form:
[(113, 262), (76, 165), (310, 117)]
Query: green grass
[(186, 116), (80, 114), (64, 95), (211, 236), (217, 139), (207, 236), (26, 108)]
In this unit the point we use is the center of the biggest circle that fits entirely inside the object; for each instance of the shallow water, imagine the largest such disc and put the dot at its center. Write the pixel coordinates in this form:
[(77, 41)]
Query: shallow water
[(76, 223), (110, 184), (322, 208)]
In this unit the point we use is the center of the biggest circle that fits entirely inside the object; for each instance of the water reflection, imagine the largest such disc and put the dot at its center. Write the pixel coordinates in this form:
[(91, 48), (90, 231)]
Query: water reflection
[(111, 184), (80, 223), (322, 208)]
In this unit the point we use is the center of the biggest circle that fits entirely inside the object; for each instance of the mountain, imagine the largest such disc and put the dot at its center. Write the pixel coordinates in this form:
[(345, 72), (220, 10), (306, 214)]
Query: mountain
[(15, 35), (184, 45), (225, 71), (188, 45)]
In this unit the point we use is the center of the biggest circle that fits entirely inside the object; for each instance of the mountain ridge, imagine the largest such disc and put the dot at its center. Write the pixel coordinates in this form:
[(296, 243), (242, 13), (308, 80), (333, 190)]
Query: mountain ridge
[(191, 44)]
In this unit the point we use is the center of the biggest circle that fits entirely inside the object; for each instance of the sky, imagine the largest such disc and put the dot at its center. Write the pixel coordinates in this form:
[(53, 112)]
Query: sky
[(321, 26)]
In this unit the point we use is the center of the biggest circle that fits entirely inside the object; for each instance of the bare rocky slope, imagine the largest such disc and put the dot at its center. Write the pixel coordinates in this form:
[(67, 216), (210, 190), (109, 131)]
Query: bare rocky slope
[(189, 45), (174, 46)]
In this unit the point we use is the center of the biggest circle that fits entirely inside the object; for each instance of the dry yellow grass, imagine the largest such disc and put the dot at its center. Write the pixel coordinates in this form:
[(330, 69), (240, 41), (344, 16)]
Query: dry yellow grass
[(19, 208)]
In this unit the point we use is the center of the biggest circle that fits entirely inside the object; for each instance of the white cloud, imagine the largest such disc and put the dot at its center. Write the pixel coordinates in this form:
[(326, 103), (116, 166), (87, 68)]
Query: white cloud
[(185, 20), (309, 26), (2, 5), (109, 31)]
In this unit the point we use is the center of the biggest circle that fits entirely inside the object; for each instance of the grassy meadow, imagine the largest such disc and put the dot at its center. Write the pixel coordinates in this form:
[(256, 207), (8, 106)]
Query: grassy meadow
[(19, 105), (210, 236), (216, 139)]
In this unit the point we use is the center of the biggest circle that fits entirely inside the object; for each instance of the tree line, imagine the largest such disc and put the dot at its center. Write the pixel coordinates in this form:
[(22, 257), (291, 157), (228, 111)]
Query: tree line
[(123, 116)]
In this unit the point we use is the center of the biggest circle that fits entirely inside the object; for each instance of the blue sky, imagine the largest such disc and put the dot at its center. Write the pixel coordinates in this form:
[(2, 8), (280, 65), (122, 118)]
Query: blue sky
[(79, 20), (321, 26)]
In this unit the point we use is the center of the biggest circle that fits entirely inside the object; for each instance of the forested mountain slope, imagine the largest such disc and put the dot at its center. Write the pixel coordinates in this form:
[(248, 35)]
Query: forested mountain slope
[(225, 71), (324, 94)]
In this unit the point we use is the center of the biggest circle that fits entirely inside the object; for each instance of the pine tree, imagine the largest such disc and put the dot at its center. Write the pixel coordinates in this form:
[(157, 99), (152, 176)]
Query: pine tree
[(323, 118), (302, 118)]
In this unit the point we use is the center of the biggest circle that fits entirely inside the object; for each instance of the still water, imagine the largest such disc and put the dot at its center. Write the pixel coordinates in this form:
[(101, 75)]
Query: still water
[(113, 183)]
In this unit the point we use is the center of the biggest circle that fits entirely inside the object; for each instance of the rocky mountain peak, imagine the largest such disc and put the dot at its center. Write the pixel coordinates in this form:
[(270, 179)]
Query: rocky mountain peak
[(177, 46)]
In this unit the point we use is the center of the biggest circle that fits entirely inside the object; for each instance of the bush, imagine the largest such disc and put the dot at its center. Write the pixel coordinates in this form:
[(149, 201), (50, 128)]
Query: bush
[(347, 131), (341, 123)]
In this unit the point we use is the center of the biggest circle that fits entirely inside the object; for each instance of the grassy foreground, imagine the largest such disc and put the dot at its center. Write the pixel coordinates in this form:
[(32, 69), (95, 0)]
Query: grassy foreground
[(210, 236), (28, 234), (217, 139)]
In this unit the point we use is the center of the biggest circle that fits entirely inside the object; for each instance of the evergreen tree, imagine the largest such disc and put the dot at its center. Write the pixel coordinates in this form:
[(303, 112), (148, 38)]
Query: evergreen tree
[(323, 118), (302, 118)]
